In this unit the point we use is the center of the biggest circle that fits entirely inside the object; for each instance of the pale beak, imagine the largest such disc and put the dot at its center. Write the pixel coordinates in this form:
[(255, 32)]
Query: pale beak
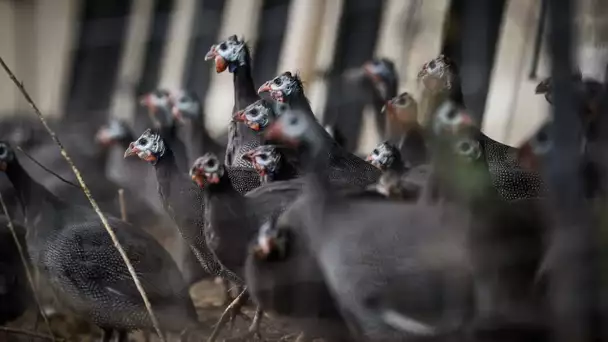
[(131, 151), (239, 116), (265, 88)]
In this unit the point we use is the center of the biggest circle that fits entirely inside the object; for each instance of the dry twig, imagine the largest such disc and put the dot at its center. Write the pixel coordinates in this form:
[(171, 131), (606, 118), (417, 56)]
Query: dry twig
[(86, 191), (29, 333), (28, 274), (123, 205)]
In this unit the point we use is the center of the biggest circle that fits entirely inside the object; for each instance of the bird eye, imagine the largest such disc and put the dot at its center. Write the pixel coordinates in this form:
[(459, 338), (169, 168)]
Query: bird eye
[(143, 141), (254, 112), (375, 151), (451, 115), (464, 147), (263, 156), (293, 120), (432, 65), (3, 151), (223, 46), (210, 163), (402, 101), (277, 81)]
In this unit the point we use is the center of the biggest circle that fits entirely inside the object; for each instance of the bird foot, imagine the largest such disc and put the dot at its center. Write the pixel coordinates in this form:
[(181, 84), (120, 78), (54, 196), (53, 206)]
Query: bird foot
[(229, 314), (254, 330)]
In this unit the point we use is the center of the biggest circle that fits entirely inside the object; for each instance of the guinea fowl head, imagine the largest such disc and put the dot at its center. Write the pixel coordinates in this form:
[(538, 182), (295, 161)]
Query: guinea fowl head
[(295, 129), (266, 159), (402, 108), (256, 116), (207, 170), (159, 104), (272, 242), (185, 105), (228, 54), (282, 87), (450, 119), (545, 87), (438, 74), (381, 73), (114, 132), (7, 155), (149, 147), (384, 156)]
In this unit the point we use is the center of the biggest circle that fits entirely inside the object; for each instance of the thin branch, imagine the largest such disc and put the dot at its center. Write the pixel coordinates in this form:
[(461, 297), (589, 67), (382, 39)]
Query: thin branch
[(123, 205), (28, 274), (86, 191), (29, 333)]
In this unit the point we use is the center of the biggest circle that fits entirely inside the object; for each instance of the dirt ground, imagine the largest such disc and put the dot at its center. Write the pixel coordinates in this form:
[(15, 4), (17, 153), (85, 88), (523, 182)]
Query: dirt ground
[(207, 297)]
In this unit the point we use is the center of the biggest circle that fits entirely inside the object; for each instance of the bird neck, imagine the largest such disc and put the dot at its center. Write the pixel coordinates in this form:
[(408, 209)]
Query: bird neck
[(300, 101), (245, 92), (166, 167), (31, 193)]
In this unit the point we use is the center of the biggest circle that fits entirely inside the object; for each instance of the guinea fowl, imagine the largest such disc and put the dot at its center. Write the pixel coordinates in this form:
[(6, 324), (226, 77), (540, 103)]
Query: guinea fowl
[(233, 54), (283, 277), (270, 164), (404, 130), (345, 166), (440, 81), (363, 248), (15, 290), (386, 157), (182, 199), (381, 77), (147, 210), (160, 112), (187, 106), (69, 245), (233, 219)]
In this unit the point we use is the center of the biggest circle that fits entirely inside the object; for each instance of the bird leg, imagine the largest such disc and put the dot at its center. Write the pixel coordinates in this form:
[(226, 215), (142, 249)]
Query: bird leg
[(254, 329), (229, 313), (106, 335), (227, 288)]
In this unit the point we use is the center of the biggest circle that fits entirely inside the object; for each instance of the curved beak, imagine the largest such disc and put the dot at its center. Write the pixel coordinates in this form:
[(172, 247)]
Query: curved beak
[(249, 156), (220, 62), (177, 114), (212, 53), (197, 178), (368, 71), (265, 88), (144, 100), (239, 116), (103, 137), (264, 246), (131, 151)]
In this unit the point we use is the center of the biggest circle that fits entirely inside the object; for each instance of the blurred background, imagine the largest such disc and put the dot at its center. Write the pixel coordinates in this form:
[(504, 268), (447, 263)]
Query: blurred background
[(91, 58)]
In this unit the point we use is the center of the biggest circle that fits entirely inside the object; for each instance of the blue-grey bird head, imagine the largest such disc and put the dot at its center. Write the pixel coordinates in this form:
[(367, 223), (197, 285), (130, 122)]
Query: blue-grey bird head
[(384, 156), (149, 147), (115, 131), (438, 74), (207, 170), (283, 87), (228, 54), (185, 106)]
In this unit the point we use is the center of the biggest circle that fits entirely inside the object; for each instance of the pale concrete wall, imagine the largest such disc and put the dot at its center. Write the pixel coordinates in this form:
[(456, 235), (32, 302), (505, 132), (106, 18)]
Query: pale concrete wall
[(513, 111), (36, 40), (132, 60)]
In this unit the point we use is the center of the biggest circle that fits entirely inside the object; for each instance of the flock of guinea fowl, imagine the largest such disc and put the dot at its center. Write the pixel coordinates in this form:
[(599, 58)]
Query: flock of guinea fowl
[(438, 234)]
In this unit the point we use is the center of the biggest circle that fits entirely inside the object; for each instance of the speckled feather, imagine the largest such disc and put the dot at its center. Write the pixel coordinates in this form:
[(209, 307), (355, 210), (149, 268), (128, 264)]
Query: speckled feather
[(69, 245)]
